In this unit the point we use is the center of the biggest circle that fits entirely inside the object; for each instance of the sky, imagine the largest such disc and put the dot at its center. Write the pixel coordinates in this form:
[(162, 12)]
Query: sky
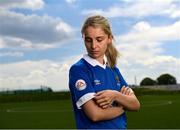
[(41, 39)]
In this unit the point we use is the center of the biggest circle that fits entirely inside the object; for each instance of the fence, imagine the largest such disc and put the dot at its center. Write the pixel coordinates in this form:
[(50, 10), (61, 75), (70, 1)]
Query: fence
[(162, 87)]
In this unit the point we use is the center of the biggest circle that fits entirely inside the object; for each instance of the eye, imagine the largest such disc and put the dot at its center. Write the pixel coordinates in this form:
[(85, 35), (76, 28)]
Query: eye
[(100, 39), (87, 39)]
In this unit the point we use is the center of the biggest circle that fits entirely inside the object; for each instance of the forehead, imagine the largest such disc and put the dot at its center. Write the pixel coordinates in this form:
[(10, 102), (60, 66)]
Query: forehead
[(94, 31)]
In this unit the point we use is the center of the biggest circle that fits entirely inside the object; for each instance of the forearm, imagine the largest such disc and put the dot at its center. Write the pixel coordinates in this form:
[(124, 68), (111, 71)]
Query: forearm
[(108, 113), (96, 113), (129, 102)]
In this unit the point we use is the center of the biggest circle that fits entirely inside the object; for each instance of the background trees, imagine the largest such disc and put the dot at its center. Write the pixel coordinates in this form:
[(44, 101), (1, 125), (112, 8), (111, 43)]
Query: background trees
[(164, 79), (148, 81)]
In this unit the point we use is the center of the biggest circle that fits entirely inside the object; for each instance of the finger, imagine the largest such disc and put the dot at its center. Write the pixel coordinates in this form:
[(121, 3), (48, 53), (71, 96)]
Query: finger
[(131, 92), (100, 101), (104, 104), (103, 100), (123, 89), (127, 91), (99, 97), (99, 93)]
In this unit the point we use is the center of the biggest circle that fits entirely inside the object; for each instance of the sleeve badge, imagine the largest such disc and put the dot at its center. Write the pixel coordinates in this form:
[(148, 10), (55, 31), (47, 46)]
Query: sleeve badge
[(80, 84)]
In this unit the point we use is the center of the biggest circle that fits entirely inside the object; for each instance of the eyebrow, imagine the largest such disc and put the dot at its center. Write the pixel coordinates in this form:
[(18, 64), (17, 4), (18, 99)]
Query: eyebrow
[(95, 37), (100, 37)]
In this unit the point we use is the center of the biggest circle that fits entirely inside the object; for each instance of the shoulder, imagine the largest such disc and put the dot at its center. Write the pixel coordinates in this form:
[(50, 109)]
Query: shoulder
[(78, 66), (116, 69), (120, 76)]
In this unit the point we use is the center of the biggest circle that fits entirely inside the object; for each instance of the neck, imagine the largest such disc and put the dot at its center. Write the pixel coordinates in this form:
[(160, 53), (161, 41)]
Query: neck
[(100, 60)]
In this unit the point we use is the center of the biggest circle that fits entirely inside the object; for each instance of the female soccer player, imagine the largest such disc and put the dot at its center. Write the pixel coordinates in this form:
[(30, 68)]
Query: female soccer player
[(100, 95)]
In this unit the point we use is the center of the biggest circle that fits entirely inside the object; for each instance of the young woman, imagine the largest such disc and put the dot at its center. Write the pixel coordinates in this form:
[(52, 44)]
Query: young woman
[(100, 95)]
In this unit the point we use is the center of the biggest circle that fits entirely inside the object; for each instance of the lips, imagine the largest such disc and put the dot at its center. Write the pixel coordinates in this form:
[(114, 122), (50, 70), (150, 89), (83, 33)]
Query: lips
[(94, 52)]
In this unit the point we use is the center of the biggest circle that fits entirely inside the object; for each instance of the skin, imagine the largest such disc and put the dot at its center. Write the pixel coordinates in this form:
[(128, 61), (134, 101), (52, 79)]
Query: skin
[(96, 42), (125, 97)]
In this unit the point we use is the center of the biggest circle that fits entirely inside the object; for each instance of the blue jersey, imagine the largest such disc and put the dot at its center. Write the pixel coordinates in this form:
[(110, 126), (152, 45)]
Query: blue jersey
[(87, 77)]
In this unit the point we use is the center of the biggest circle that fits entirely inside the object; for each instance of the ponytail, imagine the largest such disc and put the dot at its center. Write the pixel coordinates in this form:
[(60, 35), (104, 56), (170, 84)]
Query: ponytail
[(112, 55)]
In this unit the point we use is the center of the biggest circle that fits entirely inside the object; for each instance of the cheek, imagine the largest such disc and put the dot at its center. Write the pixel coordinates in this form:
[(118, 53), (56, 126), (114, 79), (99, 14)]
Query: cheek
[(87, 46), (105, 45), (105, 48)]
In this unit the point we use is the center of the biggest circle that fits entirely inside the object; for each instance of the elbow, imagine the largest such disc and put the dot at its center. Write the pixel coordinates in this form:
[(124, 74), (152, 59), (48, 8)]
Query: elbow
[(94, 117), (136, 106)]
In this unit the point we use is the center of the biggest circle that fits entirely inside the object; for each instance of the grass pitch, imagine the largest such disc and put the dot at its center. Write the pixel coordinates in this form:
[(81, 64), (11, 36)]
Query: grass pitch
[(157, 112), (39, 115)]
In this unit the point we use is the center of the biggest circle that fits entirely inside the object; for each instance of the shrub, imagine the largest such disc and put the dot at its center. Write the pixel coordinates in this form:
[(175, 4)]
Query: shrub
[(166, 79), (148, 81)]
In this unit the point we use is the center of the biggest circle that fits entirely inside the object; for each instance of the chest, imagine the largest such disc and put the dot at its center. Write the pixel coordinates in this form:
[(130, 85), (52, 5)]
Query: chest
[(103, 79)]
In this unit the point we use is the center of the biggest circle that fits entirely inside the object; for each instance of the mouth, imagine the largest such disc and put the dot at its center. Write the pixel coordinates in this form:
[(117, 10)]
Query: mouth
[(94, 52)]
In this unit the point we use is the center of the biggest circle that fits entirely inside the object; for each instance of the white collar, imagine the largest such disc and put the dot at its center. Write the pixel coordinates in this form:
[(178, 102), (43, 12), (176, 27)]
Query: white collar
[(94, 62)]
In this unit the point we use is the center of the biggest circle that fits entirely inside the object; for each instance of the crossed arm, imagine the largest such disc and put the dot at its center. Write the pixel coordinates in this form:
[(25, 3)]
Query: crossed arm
[(125, 97), (100, 108), (96, 113)]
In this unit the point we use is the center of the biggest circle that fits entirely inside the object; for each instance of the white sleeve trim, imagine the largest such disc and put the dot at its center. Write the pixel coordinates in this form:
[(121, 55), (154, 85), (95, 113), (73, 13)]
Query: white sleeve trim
[(84, 99)]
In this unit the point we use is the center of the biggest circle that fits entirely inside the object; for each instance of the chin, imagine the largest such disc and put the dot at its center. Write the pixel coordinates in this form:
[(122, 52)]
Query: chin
[(95, 56)]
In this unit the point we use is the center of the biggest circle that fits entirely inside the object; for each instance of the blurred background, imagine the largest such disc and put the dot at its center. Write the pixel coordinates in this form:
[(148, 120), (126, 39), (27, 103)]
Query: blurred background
[(41, 39)]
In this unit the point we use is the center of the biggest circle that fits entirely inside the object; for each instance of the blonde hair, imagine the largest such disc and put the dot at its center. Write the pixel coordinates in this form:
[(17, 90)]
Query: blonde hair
[(100, 21)]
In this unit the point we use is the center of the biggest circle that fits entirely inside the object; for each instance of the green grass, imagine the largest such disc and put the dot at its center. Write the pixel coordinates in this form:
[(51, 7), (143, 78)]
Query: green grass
[(157, 112), (46, 114)]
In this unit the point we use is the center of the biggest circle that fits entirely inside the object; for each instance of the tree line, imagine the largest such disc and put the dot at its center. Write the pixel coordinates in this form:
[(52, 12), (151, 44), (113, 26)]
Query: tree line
[(164, 79)]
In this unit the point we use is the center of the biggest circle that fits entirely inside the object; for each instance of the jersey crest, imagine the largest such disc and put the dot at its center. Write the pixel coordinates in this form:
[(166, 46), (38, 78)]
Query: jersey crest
[(117, 80)]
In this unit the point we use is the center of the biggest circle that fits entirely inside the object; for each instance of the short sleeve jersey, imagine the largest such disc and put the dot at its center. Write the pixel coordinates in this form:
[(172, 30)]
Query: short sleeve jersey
[(87, 77)]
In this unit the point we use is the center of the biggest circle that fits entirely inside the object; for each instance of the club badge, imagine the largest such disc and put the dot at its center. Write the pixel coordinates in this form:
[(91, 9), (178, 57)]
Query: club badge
[(80, 84), (117, 80)]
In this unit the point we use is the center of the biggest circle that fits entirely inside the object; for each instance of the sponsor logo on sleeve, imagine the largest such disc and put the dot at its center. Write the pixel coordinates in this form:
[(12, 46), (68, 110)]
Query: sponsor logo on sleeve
[(80, 84)]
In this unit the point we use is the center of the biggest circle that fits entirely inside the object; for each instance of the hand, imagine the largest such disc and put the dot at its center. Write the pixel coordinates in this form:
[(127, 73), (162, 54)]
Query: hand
[(126, 90), (121, 107), (105, 98)]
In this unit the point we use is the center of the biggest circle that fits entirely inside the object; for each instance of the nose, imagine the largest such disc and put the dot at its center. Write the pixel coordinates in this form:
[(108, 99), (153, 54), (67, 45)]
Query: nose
[(94, 44)]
